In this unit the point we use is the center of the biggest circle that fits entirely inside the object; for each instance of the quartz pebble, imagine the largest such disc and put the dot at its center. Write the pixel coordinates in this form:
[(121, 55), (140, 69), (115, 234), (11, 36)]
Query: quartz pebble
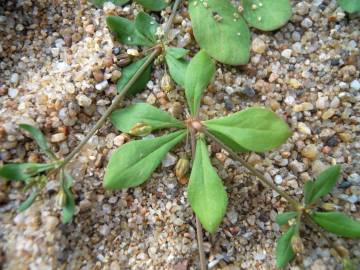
[(83, 101)]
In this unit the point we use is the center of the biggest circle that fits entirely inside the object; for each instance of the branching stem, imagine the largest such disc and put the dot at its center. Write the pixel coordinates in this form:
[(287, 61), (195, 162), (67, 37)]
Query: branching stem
[(294, 203), (199, 230)]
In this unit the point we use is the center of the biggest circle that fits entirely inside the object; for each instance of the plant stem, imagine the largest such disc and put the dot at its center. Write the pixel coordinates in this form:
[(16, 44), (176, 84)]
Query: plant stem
[(295, 204), (199, 230), (113, 106), (171, 19)]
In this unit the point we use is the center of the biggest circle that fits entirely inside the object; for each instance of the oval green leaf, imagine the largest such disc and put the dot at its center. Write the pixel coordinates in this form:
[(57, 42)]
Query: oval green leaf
[(337, 223), (284, 251), (220, 30), (23, 171), (206, 193), (128, 72), (177, 65), (133, 163), (28, 202), (125, 119), (322, 185), (68, 209), (146, 26), (126, 32), (283, 218), (255, 129), (116, 2), (39, 137), (154, 5), (350, 6), (198, 75), (267, 15)]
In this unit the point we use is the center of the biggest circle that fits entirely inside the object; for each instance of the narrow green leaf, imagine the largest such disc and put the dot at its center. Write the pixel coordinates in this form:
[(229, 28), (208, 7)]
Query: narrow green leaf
[(283, 218), (23, 171), (39, 137), (133, 163), (146, 26), (125, 119), (284, 251), (128, 72), (177, 65), (350, 6), (206, 193), (126, 32), (198, 75), (322, 185), (28, 202), (337, 223), (267, 15), (255, 129), (116, 2), (68, 209), (154, 5), (220, 30)]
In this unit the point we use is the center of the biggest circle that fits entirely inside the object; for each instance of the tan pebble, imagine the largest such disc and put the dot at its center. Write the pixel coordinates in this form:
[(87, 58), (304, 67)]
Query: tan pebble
[(328, 114), (151, 99), (258, 45), (114, 265), (345, 137), (183, 180), (98, 75), (163, 101), (294, 83), (58, 137), (176, 109), (273, 77), (119, 140), (303, 128), (221, 157), (115, 76), (51, 222), (84, 205), (108, 61), (274, 105), (132, 52), (76, 37), (310, 152), (90, 29)]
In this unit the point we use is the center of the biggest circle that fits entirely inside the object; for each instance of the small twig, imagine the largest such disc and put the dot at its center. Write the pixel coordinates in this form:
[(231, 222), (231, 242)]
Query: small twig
[(171, 19), (199, 230), (295, 204)]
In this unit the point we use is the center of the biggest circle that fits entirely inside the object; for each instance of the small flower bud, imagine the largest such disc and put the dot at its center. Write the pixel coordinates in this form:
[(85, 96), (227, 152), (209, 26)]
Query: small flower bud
[(140, 129), (297, 244), (60, 199), (166, 83), (182, 167), (329, 206)]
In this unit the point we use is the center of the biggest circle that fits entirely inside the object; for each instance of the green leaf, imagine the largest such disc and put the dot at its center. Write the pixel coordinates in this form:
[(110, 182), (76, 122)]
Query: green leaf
[(28, 202), (266, 15), (337, 223), (350, 6), (206, 193), (220, 30), (198, 75), (125, 119), (128, 72), (255, 129), (126, 32), (68, 209), (322, 185), (116, 2), (39, 138), (23, 171), (177, 65), (154, 5), (133, 163), (284, 251), (146, 26), (283, 218)]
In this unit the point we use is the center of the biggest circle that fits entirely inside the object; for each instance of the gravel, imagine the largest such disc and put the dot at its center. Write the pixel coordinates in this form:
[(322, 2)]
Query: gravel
[(58, 65)]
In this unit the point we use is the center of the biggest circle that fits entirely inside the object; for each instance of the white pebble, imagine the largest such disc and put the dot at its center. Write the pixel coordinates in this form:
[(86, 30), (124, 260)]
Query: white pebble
[(14, 79), (102, 85), (286, 53), (13, 92), (83, 100), (355, 84), (169, 160)]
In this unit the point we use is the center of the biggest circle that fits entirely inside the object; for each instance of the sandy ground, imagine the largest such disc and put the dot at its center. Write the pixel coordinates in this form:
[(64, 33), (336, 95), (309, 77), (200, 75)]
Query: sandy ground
[(57, 66)]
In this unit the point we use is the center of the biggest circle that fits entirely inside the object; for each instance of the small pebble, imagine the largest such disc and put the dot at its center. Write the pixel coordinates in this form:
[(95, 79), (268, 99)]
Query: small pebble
[(83, 100), (286, 53), (58, 137)]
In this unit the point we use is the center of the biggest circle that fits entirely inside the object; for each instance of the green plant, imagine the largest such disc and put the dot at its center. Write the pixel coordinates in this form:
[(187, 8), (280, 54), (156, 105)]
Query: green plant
[(147, 4), (253, 129), (350, 6)]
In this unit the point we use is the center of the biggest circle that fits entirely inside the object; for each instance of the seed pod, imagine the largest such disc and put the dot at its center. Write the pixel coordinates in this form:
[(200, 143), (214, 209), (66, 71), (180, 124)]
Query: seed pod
[(166, 83), (343, 252), (329, 206), (182, 167), (123, 62), (140, 129), (297, 244), (60, 199)]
